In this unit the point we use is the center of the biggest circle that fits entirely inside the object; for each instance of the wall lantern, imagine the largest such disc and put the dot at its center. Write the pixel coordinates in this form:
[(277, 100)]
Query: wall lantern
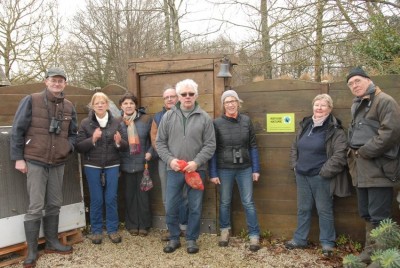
[(224, 72)]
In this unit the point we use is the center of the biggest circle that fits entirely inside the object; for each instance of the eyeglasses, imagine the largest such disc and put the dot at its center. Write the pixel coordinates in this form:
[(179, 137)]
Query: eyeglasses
[(355, 82), (191, 94), (57, 81), (170, 97), (226, 103)]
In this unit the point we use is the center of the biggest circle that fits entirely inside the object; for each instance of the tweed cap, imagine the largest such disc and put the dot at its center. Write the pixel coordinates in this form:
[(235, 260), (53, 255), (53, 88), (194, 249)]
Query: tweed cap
[(55, 71)]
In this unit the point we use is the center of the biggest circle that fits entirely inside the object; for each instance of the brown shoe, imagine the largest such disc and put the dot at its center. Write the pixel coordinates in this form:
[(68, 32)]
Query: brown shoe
[(254, 244), (96, 238), (115, 238), (143, 232), (165, 237), (134, 232), (224, 238)]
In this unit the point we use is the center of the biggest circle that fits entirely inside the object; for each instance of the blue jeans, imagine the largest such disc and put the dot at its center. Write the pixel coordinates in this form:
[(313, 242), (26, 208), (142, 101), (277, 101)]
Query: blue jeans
[(100, 195), (174, 199), (184, 210), (244, 180), (314, 190)]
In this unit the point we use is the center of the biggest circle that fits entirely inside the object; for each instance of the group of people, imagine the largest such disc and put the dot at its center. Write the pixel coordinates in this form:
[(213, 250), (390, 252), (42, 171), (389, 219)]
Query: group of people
[(45, 131), (322, 154)]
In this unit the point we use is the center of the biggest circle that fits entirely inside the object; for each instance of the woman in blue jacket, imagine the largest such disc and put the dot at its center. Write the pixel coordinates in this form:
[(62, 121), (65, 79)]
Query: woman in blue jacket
[(235, 159)]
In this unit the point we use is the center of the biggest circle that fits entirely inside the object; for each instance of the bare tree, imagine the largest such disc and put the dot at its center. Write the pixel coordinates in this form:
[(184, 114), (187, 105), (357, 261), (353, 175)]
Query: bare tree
[(29, 38), (174, 23), (319, 40), (108, 33)]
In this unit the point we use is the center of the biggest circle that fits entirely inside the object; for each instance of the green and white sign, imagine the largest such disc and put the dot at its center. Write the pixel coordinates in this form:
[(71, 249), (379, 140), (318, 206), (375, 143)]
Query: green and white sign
[(280, 122)]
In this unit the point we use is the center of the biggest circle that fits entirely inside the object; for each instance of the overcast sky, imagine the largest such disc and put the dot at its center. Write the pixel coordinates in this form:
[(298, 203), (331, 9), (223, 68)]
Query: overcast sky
[(198, 21)]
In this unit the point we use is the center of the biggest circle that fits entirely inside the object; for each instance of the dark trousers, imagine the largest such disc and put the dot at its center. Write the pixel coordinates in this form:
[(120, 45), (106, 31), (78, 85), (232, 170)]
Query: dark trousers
[(137, 204), (375, 203)]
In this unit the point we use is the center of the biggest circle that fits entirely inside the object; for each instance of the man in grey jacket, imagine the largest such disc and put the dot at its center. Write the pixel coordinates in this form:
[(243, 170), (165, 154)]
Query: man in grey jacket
[(186, 132), (373, 158)]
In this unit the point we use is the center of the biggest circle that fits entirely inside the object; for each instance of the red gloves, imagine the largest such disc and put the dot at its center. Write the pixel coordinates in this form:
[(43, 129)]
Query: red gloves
[(193, 179)]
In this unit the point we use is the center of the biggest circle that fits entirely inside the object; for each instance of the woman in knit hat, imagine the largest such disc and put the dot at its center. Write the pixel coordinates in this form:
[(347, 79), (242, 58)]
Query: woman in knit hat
[(235, 160)]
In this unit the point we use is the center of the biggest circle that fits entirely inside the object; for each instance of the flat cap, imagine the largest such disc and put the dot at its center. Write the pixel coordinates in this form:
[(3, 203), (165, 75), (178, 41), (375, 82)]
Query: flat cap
[(55, 71)]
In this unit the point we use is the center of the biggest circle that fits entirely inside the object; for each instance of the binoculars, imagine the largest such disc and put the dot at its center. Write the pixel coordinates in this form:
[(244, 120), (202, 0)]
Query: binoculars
[(55, 126), (237, 156)]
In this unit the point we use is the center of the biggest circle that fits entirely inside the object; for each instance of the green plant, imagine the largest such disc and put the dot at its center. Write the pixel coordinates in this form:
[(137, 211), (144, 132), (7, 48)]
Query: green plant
[(387, 234), (342, 240), (244, 234), (389, 258), (346, 243), (357, 246), (387, 254), (266, 235), (352, 261)]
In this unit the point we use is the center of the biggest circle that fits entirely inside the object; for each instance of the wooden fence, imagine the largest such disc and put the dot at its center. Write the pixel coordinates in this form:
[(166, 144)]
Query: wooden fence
[(275, 193)]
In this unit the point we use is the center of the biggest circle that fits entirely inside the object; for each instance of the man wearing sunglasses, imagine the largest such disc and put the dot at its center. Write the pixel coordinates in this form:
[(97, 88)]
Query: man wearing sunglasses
[(186, 133)]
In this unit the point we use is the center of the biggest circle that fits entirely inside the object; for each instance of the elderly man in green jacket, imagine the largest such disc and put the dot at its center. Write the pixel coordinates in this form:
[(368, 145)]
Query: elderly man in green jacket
[(373, 158)]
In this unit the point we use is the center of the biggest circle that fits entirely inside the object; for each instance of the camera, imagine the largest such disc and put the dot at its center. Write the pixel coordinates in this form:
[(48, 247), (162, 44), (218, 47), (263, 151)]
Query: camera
[(237, 156), (55, 126)]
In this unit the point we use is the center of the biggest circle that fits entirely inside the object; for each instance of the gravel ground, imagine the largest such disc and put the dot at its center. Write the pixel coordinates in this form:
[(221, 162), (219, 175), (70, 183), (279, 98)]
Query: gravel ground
[(135, 251)]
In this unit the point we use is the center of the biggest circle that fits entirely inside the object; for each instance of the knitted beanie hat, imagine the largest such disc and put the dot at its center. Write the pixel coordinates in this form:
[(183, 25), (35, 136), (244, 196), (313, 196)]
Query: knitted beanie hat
[(229, 93), (356, 71)]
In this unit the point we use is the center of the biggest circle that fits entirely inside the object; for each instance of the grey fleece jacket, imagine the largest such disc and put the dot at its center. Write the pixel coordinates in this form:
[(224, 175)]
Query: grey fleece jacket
[(190, 140)]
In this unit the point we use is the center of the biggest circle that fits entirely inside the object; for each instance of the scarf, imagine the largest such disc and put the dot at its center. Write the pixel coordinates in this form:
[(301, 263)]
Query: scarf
[(367, 96), (133, 136), (319, 121), (102, 121)]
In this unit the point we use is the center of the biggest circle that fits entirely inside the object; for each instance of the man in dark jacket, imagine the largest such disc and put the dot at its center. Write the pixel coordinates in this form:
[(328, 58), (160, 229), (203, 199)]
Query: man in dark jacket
[(43, 134), (374, 137)]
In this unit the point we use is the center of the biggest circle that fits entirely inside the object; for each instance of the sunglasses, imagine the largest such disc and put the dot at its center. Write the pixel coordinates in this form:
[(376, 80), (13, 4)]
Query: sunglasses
[(191, 94)]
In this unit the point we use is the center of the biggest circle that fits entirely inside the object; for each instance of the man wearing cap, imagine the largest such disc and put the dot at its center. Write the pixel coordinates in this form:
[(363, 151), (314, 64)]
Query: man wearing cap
[(374, 136), (43, 134)]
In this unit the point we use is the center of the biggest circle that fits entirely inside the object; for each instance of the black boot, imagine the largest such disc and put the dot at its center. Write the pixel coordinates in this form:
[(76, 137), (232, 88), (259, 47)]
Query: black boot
[(32, 229), (53, 245)]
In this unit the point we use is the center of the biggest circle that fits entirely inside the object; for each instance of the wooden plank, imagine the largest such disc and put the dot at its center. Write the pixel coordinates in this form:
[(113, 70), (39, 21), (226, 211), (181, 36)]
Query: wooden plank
[(383, 81), (281, 85), (153, 85), (16, 253), (277, 101), (183, 57), (174, 66), (154, 105), (281, 140)]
